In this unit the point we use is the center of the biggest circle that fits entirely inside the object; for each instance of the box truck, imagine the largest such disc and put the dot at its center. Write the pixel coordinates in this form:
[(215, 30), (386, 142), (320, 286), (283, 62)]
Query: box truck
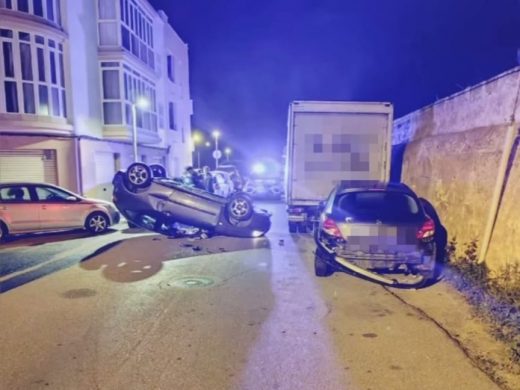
[(331, 142)]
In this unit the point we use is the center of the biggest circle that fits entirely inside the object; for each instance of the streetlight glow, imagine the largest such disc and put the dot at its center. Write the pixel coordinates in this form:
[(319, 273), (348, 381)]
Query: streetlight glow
[(215, 133), (208, 144), (142, 102), (197, 138)]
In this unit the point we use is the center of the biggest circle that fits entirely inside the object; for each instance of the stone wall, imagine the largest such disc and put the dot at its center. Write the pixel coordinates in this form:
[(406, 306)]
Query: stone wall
[(452, 152)]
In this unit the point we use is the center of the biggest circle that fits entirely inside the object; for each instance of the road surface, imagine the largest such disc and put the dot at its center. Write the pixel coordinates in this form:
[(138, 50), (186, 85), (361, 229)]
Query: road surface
[(140, 311)]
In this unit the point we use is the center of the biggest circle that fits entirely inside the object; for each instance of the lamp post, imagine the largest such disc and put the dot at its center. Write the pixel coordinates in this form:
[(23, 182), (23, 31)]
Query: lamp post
[(197, 139), (227, 152), (216, 153), (141, 103)]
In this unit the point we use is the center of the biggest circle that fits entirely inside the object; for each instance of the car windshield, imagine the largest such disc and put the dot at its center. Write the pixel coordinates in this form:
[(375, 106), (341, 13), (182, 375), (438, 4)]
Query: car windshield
[(379, 205)]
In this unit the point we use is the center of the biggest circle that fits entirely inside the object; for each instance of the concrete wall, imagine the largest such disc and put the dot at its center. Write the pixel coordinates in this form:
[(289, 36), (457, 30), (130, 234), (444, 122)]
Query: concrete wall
[(452, 157)]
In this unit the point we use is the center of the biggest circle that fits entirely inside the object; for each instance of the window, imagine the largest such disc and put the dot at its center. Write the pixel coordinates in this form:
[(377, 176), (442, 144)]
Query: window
[(53, 67), (107, 9), (111, 84), (171, 116), (38, 7), (23, 5), (28, 98), (43, 94), (26, 63), (112, 113), (7, 48), (15, 194), (50, 10), (6, 4), (122, 86), (136, 31), (11, 96), (51, 194), (170, 67), (381, 205)]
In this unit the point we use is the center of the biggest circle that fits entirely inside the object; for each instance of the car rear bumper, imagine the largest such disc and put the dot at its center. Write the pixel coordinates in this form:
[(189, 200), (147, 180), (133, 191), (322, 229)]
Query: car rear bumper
[(423, 259)]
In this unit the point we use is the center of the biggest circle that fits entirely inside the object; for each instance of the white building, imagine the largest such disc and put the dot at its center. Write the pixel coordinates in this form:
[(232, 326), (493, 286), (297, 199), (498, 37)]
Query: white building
[(70, 72)]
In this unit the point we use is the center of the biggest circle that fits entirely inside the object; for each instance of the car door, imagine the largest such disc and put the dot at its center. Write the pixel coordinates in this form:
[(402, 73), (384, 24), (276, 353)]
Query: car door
[(18, 209), (58, 209)]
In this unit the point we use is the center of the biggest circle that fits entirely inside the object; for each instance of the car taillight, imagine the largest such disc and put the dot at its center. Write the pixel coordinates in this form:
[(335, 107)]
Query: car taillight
[(330, 227), (427, 230)]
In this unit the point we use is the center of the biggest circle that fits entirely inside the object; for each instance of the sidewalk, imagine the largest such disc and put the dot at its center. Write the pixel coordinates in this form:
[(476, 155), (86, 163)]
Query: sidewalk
[(444, 305)]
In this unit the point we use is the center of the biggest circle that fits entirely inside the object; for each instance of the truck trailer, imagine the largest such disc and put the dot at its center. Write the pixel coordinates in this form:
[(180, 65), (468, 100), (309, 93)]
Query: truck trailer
[(330, 142)]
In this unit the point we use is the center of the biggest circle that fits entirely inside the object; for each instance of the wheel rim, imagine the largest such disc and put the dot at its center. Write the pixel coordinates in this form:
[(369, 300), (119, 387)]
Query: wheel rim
[(239, 208), (138, 175), (98, 223)]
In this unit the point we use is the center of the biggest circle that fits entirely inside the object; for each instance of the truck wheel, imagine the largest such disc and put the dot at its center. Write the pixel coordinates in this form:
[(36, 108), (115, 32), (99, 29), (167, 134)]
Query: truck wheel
[(293, 227), (321, 267)]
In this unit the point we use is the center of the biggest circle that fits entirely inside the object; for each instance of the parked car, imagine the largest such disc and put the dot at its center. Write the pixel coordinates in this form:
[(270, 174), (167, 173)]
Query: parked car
[(156, 203), (236, 177), (223, 185), (381, 229), (264, 188), (38, 207)]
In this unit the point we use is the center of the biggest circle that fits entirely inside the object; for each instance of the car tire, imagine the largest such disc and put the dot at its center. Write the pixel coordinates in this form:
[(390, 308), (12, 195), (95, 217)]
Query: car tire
[(293, 227), (97, 223), (239, 207), (4, 232), (139, 175), (158, 170), (321, 267)]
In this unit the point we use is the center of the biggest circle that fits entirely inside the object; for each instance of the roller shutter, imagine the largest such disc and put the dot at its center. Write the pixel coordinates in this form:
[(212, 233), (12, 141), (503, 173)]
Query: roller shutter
[(28, 165)]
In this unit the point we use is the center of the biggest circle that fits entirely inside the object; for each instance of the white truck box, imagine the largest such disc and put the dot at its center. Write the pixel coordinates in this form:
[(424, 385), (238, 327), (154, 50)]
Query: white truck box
[(331, 142)]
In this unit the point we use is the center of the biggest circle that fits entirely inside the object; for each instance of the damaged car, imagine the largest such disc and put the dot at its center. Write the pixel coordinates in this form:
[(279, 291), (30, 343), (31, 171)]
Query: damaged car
[(147, 198), (380, 232)]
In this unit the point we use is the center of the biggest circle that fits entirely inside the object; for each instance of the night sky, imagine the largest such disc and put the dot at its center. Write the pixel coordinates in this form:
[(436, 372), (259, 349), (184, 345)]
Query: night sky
[(249, 59)]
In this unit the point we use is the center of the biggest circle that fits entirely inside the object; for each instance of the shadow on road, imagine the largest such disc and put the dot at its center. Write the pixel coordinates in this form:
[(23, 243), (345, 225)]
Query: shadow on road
[(136, 259), (36, 239)]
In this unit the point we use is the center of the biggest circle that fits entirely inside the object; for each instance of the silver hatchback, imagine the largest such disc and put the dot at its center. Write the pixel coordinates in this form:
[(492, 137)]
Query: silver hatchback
[(38, 207)]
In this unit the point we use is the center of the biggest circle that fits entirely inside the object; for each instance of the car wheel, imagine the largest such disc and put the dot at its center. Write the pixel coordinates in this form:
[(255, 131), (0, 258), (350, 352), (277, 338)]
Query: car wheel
[(321, 267), (4, 233), (139, 175), (293, 227), (239, 207), (97, 223), (158, 170)]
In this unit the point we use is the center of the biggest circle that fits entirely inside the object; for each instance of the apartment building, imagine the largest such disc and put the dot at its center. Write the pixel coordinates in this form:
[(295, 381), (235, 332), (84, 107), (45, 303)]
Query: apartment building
[(75, 77)]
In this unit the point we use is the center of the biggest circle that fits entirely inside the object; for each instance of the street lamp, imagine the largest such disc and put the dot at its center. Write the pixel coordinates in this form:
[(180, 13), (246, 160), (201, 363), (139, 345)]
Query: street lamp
[(208, 144), (142, 103), (216, 154), (197, 139), (227, 152)]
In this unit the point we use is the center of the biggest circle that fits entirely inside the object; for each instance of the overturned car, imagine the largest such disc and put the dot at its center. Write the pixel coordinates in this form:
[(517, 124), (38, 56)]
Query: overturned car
[(146, 198)]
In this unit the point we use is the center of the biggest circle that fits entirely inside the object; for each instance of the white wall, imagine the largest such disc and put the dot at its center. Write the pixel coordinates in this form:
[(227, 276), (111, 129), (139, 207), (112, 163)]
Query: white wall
[(84, 92)]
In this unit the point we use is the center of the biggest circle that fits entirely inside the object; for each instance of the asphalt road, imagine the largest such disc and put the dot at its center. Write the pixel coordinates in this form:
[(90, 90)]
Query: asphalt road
[(140, 311)]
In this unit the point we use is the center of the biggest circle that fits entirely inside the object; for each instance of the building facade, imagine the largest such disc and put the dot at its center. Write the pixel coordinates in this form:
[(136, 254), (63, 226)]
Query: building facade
[(72, 75)]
